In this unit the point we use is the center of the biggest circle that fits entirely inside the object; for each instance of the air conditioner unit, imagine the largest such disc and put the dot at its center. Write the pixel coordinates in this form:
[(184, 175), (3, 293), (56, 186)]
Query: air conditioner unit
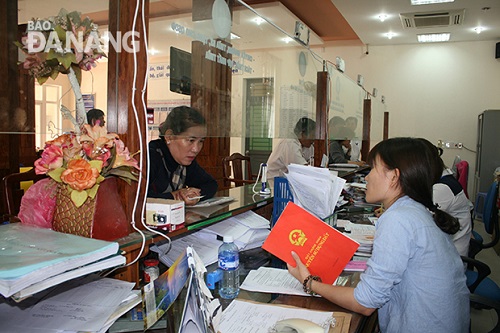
[(432, 19)]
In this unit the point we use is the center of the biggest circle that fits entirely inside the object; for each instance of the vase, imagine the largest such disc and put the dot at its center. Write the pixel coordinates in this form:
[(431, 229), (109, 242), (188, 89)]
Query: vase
[(102, 217)]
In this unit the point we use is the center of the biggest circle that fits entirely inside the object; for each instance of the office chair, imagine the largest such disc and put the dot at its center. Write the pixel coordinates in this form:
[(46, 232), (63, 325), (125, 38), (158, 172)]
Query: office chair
[(237, 169), (463, 175), (484, 292), (12, 191), (490, 221)]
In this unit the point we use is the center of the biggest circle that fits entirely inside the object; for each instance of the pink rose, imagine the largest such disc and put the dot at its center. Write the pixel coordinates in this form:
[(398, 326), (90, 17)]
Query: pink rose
[(52, 158)]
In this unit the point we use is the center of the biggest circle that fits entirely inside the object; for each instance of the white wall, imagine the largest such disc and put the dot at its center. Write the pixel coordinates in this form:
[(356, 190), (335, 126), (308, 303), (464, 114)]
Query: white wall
[(433, 91)]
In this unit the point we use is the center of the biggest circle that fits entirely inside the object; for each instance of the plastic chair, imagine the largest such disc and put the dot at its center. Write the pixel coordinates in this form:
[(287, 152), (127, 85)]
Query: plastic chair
[(12, 191), (490, 222), (485, 293), (282, 196), (479, 205), (237, 169)]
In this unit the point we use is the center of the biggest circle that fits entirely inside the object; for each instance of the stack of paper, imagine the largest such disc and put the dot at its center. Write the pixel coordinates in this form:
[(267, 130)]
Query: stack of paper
[(249, 230), (364, 234), (90, 304), (31, 255), (315, 189)]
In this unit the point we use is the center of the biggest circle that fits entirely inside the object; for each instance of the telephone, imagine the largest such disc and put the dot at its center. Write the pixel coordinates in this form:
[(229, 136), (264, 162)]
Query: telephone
[(297, 325)]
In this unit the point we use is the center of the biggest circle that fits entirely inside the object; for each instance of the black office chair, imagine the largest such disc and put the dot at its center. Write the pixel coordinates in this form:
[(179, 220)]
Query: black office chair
[(490, 221), (484, 292)]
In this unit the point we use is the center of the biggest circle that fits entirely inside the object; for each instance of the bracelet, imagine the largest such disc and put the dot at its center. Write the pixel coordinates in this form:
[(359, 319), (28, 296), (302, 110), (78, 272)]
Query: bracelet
[(307, 283)]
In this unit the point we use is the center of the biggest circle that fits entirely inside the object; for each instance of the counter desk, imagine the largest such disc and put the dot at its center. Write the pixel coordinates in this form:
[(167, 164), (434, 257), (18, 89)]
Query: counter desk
[(244, 199)]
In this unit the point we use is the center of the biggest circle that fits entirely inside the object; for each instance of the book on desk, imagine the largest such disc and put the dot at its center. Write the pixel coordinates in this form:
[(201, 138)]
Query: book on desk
[(31, 255), (322, 248)]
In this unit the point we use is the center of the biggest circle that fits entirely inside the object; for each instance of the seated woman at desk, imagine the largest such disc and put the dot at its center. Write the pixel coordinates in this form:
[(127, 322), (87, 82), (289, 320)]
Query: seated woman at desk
[(340, 147), (290, 151), (415, 275), (174, 172)]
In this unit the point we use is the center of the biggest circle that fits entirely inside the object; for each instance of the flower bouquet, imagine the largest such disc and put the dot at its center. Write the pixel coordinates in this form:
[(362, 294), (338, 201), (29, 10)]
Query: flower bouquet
[(65, 44), (80, 165)]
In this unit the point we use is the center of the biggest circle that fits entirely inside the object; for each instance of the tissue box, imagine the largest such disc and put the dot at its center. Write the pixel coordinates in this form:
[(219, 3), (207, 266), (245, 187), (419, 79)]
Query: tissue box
[(166, 214)]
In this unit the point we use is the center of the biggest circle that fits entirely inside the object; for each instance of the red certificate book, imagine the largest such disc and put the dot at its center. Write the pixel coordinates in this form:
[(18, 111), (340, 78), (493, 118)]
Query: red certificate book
[(322, 248)]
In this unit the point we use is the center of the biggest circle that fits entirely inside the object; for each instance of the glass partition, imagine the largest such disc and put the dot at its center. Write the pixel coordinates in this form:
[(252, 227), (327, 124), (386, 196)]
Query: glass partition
[(241, 66), (377, 121), (345, 106), (272, 76)]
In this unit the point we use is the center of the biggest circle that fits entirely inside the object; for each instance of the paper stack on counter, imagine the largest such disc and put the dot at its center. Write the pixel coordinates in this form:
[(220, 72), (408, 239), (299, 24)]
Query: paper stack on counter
[(364, 234), (46, 257), (315, 189), (89, 304), (248, 229)]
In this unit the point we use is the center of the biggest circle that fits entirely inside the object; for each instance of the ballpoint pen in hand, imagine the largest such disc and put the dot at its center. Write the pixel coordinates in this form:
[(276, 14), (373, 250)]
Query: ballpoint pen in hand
[(194, 198)]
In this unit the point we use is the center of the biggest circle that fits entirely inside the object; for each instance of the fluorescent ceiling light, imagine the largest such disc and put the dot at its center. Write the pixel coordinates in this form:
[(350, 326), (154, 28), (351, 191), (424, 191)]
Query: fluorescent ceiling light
[(430, 38), (234, 36), (428, 2)]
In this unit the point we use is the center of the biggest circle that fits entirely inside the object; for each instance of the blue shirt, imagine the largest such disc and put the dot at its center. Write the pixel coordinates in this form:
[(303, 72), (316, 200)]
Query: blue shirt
[(415, 276)]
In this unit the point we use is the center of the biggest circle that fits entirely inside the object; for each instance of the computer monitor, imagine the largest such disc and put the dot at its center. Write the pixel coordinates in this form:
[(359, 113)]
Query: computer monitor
[(180, 71)]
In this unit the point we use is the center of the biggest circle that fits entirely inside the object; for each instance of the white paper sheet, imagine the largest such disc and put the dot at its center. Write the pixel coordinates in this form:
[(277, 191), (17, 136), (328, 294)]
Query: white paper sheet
[(247, 317), (272, 280)]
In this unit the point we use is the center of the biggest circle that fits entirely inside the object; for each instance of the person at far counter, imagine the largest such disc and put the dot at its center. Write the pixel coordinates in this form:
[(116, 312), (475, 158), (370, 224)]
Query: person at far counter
[(95, 117), (415, 276), (449, 196), (290, 151), (174, 172), (340, 146)]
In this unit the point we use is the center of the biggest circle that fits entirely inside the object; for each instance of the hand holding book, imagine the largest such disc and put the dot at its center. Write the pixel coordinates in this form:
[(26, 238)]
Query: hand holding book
[(322, 249), (299, 271)]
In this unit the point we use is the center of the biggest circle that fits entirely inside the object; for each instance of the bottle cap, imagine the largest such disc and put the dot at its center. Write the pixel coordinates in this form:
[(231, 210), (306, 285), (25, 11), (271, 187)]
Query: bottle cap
[(228, 239), (151, 262)]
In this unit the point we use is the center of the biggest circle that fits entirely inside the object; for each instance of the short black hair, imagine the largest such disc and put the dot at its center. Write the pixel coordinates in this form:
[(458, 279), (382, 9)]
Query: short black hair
[(305, 125), (94, 114)]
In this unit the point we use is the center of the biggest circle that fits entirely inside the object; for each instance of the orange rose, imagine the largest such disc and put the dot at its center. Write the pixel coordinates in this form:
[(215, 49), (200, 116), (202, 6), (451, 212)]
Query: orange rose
[(80, 175)]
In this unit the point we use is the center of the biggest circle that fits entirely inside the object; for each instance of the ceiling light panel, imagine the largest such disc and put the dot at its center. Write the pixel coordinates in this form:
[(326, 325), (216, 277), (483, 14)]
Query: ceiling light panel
[(428, 2), (433, 38)]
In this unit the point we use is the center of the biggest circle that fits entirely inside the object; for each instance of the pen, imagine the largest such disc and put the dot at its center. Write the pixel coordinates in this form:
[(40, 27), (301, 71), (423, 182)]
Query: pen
[(194, 198)]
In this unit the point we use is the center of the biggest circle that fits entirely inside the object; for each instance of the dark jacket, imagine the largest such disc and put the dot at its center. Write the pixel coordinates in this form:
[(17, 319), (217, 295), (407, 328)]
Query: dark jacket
[(336, 153), (160, 178)]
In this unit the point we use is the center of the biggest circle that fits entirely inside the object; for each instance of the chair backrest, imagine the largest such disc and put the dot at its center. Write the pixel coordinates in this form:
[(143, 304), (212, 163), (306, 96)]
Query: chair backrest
[(490, 211), (12, 191), (237, 169), (463, 175)]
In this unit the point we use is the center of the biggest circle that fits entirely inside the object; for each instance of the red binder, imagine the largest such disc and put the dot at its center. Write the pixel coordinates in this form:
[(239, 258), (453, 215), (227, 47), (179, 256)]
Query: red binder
[(322, 248)]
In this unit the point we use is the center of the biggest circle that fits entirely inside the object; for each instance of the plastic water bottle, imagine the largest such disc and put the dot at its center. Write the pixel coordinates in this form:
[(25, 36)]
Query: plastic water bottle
[(229, 261)]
